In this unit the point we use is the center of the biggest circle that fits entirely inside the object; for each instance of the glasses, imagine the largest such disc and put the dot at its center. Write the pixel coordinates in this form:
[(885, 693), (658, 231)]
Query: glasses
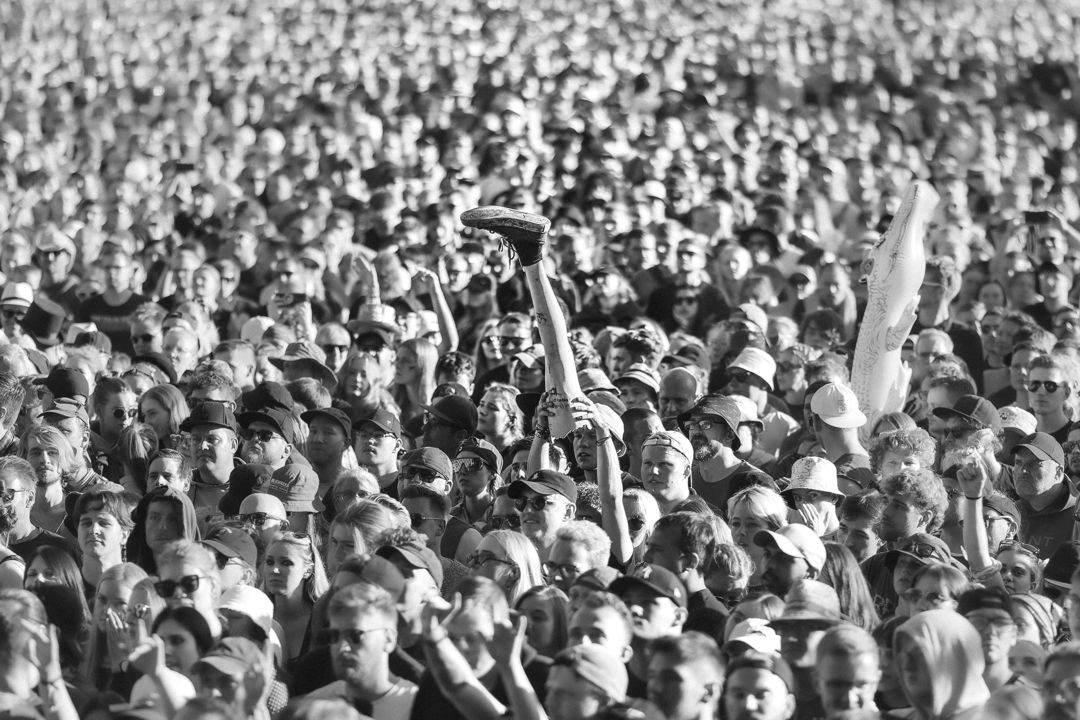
[(505, 522), (701, 424), (417, 519), (167, 588), (262, 436), (11, 314), (922, 550), (374, 434), (536, 503), (478, 559), (551, 570), (1049, 385), (746, 377), (686, 300), (143, 338), (1020, 547), (8, 495), (510, 342), (421, 475), (353, 636), (257, 519), (122, 414), (959, 431), (466, 466)]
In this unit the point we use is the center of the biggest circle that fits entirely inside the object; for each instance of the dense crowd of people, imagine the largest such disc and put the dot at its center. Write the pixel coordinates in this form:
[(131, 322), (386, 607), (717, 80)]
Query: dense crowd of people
[(446, 359)]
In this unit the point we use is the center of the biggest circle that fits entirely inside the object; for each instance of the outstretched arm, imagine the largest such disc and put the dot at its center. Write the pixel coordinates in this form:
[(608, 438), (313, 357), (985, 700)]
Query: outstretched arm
[(608, 478)]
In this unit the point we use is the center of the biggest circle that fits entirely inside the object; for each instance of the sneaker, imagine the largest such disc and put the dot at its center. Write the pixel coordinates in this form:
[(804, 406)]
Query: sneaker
[(524, 232)]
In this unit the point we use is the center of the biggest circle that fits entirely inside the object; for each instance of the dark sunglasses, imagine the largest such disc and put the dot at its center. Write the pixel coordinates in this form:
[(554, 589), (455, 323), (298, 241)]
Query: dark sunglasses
[(922, 550), (1049, 385), (505, 522), (536, 503), (334, 348), (686, 300), (256, 519), (13, 314), (167, 588), (352, 636), (122, 414), (743, 376), (263, 436), (417, 519), (1020, 547), (425, 476)]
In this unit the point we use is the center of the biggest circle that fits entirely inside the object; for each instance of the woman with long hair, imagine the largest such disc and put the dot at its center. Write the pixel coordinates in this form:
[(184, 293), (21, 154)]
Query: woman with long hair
[(355, 529), (414, 378), (52, 565), (842, 573), (138, 443), (510, 560), (110, 637), (294, 578), (488, 351), (163, 407), (499, 419), (547, 610)]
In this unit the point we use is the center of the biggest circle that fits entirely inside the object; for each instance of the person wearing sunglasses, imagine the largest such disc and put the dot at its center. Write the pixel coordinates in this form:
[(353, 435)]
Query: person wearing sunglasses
[(1047, 504), (546, 501), (477, 471), (146, 331), (115, 407), (188, 576), (266, 441), (751, 375), (448, 422), (428, 503), (363, 634), (1051, 386)]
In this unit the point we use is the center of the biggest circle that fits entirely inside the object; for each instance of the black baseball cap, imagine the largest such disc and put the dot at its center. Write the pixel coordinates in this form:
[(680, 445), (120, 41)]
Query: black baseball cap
[(212, 414), (545, 482)]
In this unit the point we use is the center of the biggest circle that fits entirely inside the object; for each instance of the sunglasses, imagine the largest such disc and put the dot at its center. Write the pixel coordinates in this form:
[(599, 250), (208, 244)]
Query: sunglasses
[(505, 522), (257, 519), (551, 570), (263, 436), (466, 466), (536, 503), (922, 550), (13, 314), (746, 377), (167, 588), (685, 300), (142, 338), (479, 559), (417, 519), (328, 349), (8, 495), (512, 342), (122, 414), (1049, 385), (1020, 547), (958, 431), (421, 474), (352, 636)]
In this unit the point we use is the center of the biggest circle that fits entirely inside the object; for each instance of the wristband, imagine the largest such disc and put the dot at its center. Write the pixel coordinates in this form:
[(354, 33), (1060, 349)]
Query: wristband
[(603, 439), (978, 497)]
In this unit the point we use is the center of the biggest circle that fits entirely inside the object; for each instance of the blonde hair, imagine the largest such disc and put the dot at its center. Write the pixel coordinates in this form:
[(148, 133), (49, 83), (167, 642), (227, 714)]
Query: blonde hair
[(762, 502), (522, 553), (316, 584)]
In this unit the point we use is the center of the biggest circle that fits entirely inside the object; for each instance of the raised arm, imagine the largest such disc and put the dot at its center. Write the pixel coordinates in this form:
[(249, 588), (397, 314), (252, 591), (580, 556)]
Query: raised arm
[(452, 673), (427, 282), (608, 478)]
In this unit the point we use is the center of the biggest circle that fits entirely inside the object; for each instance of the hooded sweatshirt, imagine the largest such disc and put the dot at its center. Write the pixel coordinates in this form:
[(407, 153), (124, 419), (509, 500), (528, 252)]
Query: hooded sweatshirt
[(952, 649), (138, 551)]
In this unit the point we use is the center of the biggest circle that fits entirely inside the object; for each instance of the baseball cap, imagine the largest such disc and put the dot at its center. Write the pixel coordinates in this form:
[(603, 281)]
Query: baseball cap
[(261, 502), (296, 486), (654, 578), (597, 578), (1014, 418), (274, 417), (598, 666), (974, 409), (456, 411), (752, 313), (642, 373), (67, 408), (251, 602), (333, 415), (810, 600), (795, 540), (1004, 505), (487, 452), (211, 414), (986, 599), (1042, 446), (17, 294), (429, 458), (721, 407), (416, 556), (545, 482), (672, 439), (233, 656), (837, 406), (759, 661), (757, 362), (234, 543), (384, 420), (266, 395), (65, 382), (380, 571), (922, 547), (242, 482), (756, 634)]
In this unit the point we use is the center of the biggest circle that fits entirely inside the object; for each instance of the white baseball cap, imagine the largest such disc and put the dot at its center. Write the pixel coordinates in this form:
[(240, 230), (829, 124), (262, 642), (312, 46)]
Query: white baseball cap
[(837, 406)]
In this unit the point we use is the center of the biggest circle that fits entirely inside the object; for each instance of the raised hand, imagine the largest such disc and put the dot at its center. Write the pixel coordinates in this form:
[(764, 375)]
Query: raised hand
[(972, 477), (149, 657), (507, 640), (813, 518)]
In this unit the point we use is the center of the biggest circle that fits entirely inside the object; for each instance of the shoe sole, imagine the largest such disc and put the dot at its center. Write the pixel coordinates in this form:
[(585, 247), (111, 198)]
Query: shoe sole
[(493, 217)]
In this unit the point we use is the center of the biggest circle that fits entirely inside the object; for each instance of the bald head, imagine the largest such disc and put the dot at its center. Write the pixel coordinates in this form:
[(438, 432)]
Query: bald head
[(679, 390)]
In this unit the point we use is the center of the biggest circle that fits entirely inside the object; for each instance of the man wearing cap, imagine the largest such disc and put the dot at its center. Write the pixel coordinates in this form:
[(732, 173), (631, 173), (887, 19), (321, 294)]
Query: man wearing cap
[(639, 387), (378, 448), (423, 573), (713, 428), (810, 609), (236, 553), (14, 302), (971, 427), (751, 374), (448, 422), (759, 687), (991, 611), (63, 382), (213, 445), (235, 672), (657, 602), (329, 436), (70, 418), (363, 634), (835, 418), (55, 255), (268, 439), (545, 501), (1047, 501), (792, 553)]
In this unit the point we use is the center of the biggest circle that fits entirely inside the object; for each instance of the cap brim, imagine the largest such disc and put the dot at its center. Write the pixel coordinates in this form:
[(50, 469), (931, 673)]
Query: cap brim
[(801, 616), (321, 372), (221, 548), (782, 544), (847, 422), (228, 665), (515, 489), (945, 413), (627, 582), (1034, 450)]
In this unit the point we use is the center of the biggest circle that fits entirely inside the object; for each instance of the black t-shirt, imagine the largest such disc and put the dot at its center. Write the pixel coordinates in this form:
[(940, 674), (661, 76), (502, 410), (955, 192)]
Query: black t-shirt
[(26, 548), (113, 320)]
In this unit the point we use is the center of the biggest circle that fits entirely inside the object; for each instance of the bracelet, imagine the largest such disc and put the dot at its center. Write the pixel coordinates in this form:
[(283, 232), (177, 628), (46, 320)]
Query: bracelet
[(603, 439), (979, 497), (544, 433), (55, 681), (436, 641)]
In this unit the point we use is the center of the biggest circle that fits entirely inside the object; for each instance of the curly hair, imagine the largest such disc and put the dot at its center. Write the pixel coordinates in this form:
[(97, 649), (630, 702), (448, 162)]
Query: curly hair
[(923, 489), (915, 442)]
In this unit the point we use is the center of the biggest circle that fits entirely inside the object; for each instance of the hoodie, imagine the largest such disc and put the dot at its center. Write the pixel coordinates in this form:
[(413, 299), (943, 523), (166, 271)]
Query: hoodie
[(952, 650), (138, 551)]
